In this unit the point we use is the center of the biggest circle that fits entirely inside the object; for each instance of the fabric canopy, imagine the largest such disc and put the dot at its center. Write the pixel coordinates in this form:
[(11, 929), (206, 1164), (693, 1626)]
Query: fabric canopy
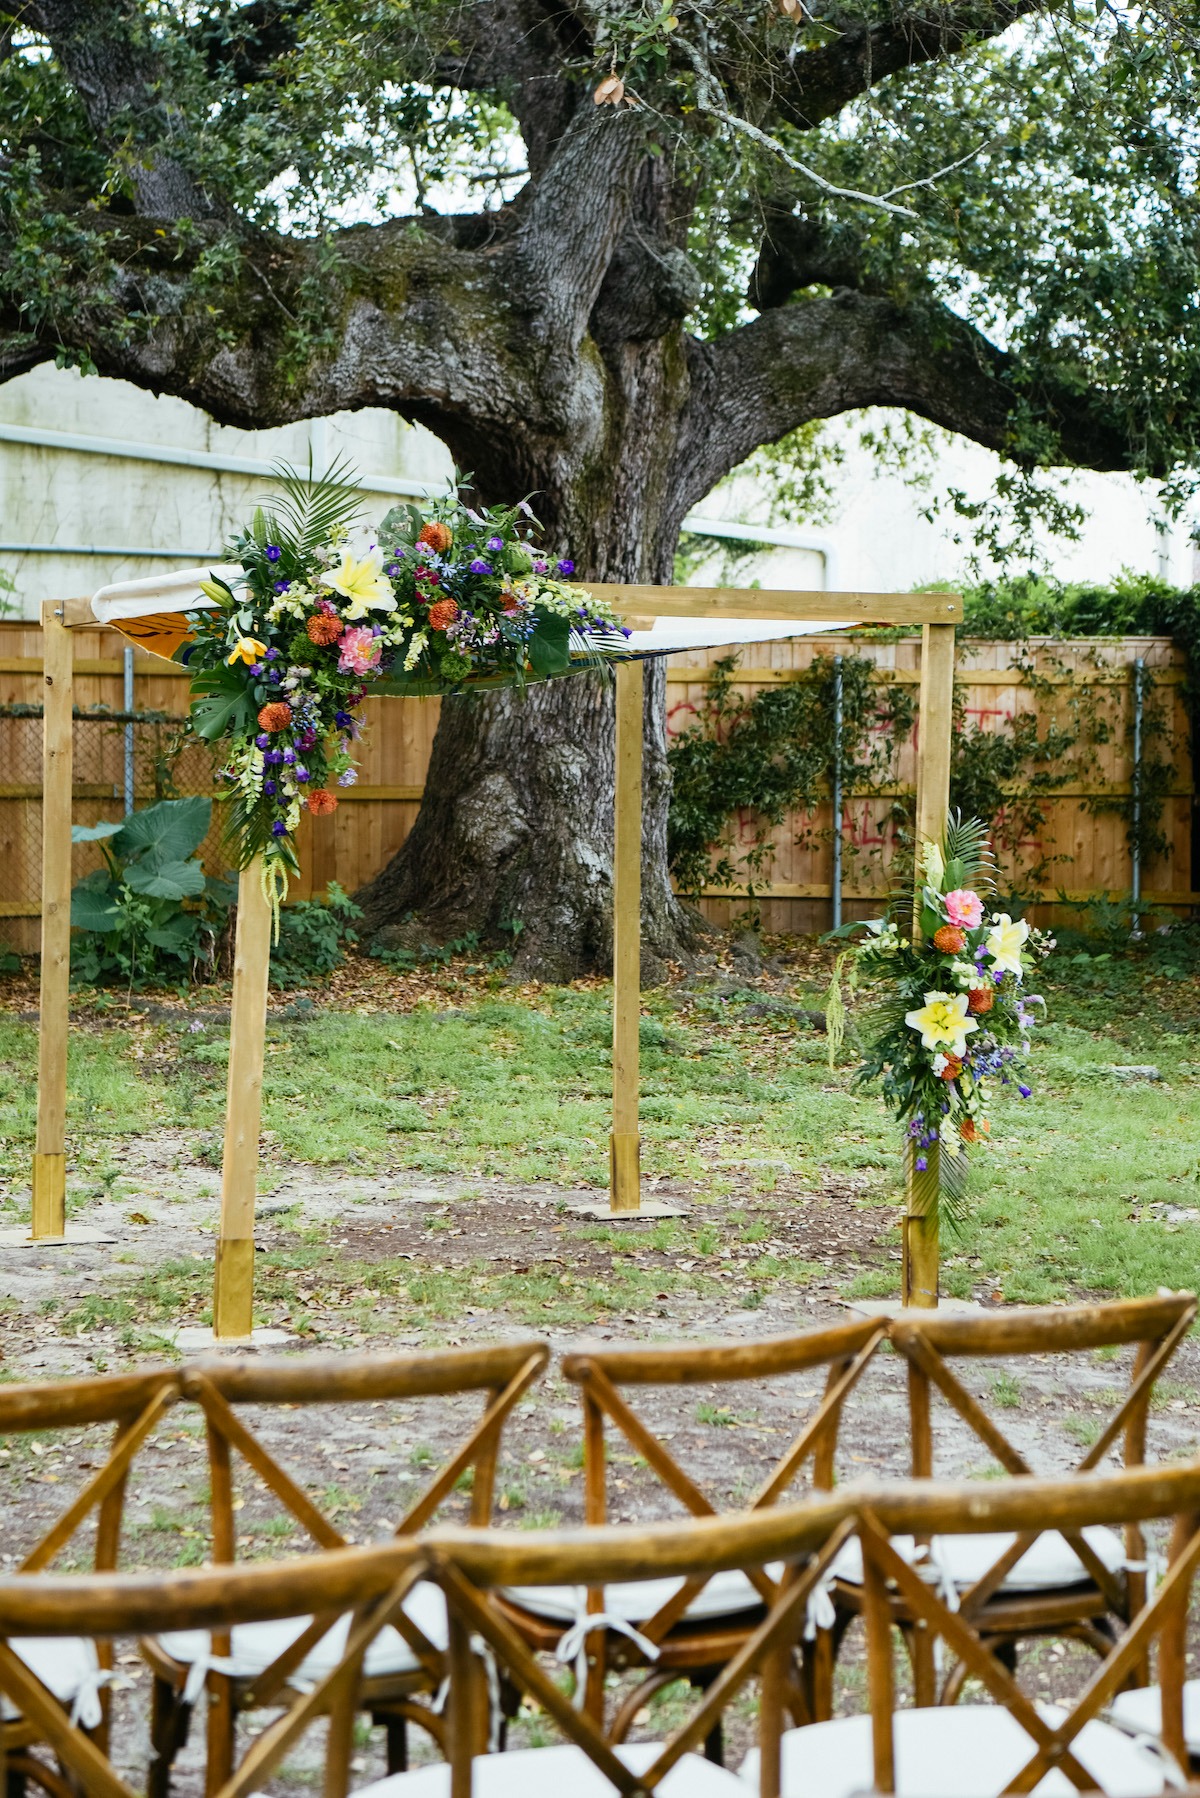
[(150, 614)]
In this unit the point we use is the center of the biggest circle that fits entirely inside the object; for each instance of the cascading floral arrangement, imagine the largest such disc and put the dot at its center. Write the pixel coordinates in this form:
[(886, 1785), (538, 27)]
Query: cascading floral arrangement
[(954, 1014), (436, 600)]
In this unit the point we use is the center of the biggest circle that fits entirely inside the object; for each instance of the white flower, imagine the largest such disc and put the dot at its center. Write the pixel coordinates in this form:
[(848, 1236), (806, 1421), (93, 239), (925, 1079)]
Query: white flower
[(1005, 943), (939, 1062), (414, 651)]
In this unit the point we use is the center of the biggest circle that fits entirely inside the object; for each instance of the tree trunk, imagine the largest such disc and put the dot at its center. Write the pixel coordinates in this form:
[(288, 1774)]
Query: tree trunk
[(516, 823)]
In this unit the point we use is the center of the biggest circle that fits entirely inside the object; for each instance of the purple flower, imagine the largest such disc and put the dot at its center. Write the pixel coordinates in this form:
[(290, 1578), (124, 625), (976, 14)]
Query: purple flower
[(393, 568), (195, 1027), (300, 773), (274, 676), (274, 757), (566, 566), (282, 586), (273, 552), (342, 719), (495, 543), (271, 654), (262, 739), (279, 828), (541, 567), (289, 756), (1026, 1092), (478, 566), (256, 667), (922, 1164), (270, 787), (348, 778)]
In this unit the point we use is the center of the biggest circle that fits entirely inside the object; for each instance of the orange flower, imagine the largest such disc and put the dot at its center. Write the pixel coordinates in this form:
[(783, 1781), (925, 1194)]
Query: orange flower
[(952, 1069), (980, 999), (442, 615), (438, 536), (320, 802), (277, 715), (967, 1130), (949, 941), (323, 629)]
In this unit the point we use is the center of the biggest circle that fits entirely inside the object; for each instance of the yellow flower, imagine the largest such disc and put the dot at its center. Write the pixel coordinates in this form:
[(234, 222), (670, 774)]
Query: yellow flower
[(248, 650), (361, 580), (1005, 942), (943, 1022)]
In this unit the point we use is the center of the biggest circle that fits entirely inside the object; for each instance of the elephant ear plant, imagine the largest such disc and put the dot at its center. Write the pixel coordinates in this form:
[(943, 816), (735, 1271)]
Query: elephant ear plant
[(150, 913)]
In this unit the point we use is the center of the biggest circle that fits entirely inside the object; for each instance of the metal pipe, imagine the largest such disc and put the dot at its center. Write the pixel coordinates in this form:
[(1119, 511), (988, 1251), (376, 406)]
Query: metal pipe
[(836, 889), (125, 450), (129, 733), (116, 550), (1139, 670)]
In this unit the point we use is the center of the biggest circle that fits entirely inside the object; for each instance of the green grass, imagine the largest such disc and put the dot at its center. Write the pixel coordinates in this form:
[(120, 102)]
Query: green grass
[(1067, 1200)]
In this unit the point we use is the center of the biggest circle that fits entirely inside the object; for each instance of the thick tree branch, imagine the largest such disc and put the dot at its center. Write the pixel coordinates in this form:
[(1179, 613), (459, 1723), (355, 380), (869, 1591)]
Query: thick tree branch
[(810, 86), (104, 48), (822, 357)]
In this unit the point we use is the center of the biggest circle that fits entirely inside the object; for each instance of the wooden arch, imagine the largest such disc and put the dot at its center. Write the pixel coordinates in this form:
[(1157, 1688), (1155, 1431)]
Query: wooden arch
[(731, 615)]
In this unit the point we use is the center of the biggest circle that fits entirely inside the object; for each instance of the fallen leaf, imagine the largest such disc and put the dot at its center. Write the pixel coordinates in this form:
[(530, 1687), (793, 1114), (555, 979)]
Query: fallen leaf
[(610, 92)]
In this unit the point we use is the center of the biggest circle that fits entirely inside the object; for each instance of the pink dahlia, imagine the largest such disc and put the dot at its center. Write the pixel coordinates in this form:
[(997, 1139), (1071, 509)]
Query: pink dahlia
[(361, 650), (964, 908)]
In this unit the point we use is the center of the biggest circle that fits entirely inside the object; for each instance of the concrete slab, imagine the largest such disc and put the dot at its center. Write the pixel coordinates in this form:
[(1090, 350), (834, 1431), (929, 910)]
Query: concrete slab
[(894, 1308), (76, 1233), (201, 1336), (648, 1208)]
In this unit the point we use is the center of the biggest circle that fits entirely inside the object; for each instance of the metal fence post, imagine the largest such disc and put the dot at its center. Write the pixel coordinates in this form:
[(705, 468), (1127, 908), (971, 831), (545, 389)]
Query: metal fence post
[(1135, 847), (129, 756)]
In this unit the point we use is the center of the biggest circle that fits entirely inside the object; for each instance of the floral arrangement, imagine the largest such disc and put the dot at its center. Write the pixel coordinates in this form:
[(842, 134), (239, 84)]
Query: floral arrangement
[(955, 1015), (433, 601)]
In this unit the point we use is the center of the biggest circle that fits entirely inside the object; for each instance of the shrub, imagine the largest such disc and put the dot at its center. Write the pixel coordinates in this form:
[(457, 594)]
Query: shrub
[(313, 937)]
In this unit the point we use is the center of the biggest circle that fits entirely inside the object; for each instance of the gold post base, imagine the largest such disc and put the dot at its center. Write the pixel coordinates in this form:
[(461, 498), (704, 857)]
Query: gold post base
[(49, 1196), (233, 1290), (624, 1172)]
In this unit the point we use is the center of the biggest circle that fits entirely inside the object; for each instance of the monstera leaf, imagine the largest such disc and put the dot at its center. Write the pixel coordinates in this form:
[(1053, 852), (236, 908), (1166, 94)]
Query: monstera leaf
[(221, 702), (549, 648)]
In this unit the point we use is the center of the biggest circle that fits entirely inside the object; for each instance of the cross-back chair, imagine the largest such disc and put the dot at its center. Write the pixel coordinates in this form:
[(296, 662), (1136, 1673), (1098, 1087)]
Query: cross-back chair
[(252, 1667), (1014, 1587), (683, 1628), (257, 1663), (475, 1568), (1012, 1742), (369, 1586)]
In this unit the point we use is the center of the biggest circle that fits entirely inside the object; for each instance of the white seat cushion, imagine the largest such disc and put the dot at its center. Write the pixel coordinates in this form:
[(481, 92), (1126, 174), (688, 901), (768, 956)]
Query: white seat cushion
[(1140, 1712), (637, 1600), (1047, 1563), (255, 1645), (953, 1751), (563, 1771), (68, 1667)]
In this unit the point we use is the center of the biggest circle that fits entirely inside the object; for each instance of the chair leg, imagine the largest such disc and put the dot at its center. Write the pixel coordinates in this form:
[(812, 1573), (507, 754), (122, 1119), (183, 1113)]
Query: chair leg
[(170, 1719), (396, 1730), (219, 1735)]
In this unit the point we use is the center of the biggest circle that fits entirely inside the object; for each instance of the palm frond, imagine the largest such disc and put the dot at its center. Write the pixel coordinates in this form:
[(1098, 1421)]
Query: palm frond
[(952, 1189), (967, 842), (307, 507)]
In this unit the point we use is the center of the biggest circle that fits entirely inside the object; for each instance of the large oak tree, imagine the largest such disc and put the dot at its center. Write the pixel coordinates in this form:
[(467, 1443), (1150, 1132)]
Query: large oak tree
[(982, 211)]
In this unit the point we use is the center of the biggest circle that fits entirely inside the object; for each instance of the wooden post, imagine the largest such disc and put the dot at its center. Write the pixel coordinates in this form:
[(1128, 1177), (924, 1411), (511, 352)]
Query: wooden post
[(920, 1244), (233, 1292), (624, 1147), (50, 1152)]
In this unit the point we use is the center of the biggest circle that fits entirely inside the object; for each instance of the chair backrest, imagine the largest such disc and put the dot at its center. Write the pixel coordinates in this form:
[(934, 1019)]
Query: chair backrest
[(1029, 1507), (136, 1405), (930, 1341)]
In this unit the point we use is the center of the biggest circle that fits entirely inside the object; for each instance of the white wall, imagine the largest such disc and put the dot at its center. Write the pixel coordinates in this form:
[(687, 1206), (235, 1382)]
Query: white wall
[(101, 499)]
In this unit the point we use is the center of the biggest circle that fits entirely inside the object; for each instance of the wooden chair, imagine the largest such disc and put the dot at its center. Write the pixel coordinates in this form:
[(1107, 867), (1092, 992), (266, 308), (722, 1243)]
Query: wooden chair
[(475, 1568), (1011, 1744), (372, 1586), (676, 1628), (259, 1662), (255, 1665), (1049, 1584)]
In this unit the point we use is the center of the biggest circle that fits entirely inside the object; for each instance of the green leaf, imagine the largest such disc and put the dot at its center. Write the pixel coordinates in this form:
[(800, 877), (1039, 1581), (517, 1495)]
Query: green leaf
[(168, 832), (176, 934), (95, 904), (165, 880), (94, 833), (222, 701), (549, 648)]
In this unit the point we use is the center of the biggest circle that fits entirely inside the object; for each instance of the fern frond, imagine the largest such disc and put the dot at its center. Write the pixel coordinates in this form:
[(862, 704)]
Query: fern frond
[(967, 843), (308, 507)]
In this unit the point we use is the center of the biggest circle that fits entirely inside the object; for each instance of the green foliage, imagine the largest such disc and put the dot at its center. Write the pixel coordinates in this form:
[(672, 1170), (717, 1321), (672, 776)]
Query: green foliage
[(149, 915), (314, 935), (764, 757)]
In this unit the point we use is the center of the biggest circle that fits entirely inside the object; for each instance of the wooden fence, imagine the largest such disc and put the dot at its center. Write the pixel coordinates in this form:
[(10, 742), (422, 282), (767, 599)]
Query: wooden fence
[(1088, 853)]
